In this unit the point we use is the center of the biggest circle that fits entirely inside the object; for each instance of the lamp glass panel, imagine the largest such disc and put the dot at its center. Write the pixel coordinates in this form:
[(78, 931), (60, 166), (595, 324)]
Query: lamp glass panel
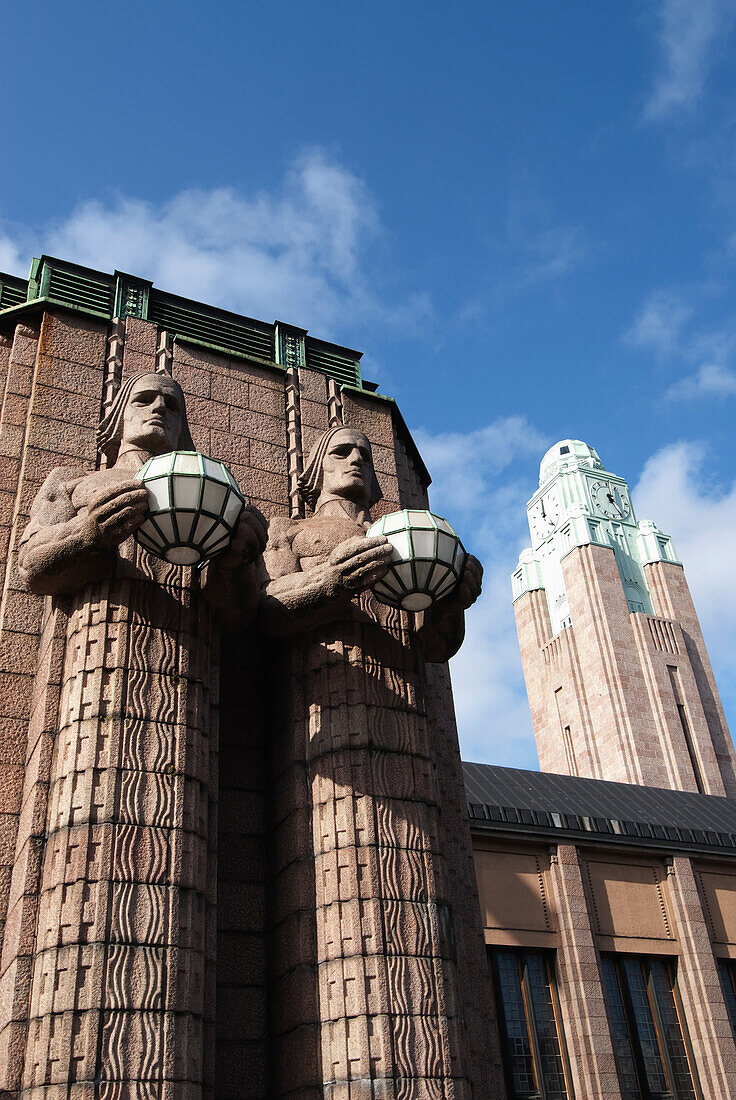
[(460, 556), (396, 521), (213, 497), (147, 542), (393, 584), (420, 519), (423, 569), (215, 536), (183, 555), (437, 576), (423, 543), (187, 463), (159, 465), (446, 585), (218, 546), (416, 601), (186, 492), (213, 469), (203, 528), (382, 589), (166, 524), (444, 525), (158, 492), (233, 508), (404, 573), (401, 545), (446, 547), (185, 522)]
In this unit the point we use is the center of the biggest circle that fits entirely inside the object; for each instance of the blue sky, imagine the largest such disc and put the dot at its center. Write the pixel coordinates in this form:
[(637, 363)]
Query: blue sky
[(524, 214)]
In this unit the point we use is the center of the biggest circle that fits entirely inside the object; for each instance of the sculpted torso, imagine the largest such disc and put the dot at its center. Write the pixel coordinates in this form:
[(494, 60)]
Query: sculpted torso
[(79, 518), (313, 568)]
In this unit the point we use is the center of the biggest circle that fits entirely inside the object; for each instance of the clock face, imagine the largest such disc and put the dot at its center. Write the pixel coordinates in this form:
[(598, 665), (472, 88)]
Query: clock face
[(610, 500), (543, 516)]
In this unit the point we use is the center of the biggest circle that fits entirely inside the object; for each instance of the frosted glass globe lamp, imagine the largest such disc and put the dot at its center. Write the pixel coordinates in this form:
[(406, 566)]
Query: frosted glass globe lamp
[(194, 507), (427, 559)]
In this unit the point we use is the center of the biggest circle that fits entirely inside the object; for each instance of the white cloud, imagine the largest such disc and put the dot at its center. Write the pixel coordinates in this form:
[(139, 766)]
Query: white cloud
[(302, 254), (691, 35), (483, 479), (670, 325), (711, 380), (659, 324), (554, 253)]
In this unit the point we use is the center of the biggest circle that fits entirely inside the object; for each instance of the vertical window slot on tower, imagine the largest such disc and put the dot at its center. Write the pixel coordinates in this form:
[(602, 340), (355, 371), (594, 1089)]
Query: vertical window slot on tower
[(684, 723), (572, 764)]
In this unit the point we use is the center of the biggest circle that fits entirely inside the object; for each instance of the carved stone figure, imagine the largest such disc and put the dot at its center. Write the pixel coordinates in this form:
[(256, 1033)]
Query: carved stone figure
[(356, 756), (121, 993)]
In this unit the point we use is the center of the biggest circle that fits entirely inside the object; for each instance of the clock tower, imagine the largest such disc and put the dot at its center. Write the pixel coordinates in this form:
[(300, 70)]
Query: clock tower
[(619, 680)]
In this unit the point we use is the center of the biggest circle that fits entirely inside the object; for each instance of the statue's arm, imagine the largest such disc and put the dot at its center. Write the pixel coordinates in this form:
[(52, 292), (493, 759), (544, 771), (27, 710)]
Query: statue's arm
[(230, 582), (57, 546), (293, 601), (443, 629), (63, 548)]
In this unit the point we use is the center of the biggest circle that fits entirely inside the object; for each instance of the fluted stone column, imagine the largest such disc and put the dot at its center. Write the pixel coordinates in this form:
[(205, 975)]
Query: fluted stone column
[(121, 995), (579, 983), (699, 985), (389, 1001)]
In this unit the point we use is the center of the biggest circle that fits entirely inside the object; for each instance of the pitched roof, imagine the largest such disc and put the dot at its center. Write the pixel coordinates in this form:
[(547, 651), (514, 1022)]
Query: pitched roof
[(554, 806)]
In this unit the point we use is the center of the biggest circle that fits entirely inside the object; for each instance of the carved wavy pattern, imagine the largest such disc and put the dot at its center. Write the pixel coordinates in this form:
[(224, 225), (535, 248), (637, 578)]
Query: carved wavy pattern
[(140, 855), (121, 1090), (134, 972), (411, 985), (145, 745), (417, 1046), (126, 1031), (152, 654), (397, 824), (145, 798), (431, 1090), (407, 928), (139, 913), (402, 874)]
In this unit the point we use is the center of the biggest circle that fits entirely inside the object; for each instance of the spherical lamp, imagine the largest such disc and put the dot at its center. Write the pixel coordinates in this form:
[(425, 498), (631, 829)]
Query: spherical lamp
[(427, 559), (194, 507)]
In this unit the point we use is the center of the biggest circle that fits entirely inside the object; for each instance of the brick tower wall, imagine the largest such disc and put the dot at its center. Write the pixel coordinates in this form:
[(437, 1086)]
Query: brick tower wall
[(619, 695)]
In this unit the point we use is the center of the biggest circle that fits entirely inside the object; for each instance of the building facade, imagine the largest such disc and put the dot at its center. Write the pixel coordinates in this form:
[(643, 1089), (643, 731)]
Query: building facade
[(608, 880), (239, 855), (235, 859)]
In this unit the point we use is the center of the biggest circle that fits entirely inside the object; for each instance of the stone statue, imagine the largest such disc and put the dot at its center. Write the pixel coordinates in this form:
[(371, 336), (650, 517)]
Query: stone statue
[(354, 747), (79, 517), (127, 887), (316, 566)]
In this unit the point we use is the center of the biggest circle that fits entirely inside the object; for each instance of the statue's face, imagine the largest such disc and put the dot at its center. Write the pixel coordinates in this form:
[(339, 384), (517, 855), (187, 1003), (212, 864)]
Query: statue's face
[(153, 415), (347, 468)]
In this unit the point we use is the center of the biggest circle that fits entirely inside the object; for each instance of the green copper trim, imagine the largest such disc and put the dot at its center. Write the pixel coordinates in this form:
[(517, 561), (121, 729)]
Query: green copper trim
[(98, 294)]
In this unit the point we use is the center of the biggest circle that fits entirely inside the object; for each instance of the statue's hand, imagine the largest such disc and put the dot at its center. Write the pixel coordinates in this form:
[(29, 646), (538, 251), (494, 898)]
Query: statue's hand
[(249, 540), (359, 562), (471, 582), (115, 511)]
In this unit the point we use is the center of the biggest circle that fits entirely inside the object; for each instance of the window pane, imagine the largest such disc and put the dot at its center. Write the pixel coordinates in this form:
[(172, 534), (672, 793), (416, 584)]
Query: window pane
[(516, 1040), (726, 970), (625, 1064), (551, 1066), (646, 1033), (662, 983)]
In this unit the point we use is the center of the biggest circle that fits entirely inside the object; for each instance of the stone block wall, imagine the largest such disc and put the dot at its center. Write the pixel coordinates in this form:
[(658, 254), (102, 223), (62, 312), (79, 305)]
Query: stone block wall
[(226, 994)]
